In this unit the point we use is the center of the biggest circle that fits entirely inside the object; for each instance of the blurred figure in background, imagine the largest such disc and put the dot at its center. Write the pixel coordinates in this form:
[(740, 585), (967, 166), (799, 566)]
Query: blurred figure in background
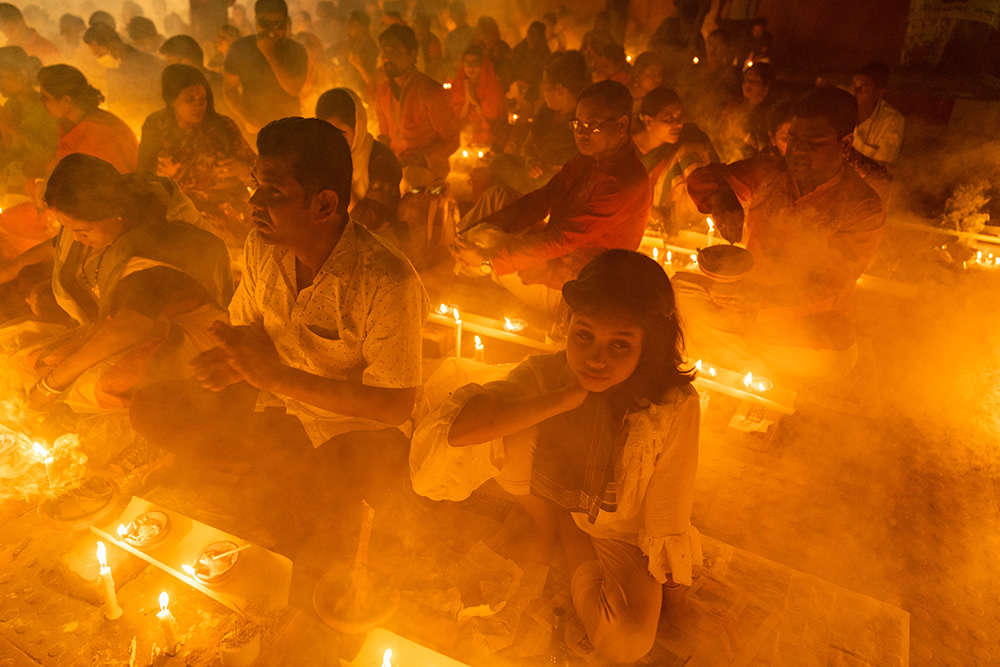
[(414, 112), (376, 177), (477, 98), (610, 64), (223, 40), (203, 152), (143, 35), (265, 72), (459, 37), (207, 16), (498, 51), (132, 76), (431, 52), (671, 149), (744, 123), (358, 54), (554, 32), (879, 134), (71, 29), (647, 74), (530, 55), (19, 33), (28, 134), (83, 126)]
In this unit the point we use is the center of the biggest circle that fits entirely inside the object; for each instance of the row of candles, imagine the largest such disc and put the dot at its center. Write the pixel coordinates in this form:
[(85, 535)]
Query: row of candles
[(113, 610), (757, 384), (509, 325)]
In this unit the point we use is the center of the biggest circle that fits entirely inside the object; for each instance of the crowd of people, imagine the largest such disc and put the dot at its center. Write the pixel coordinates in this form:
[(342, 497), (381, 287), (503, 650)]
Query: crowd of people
[(133, 167)]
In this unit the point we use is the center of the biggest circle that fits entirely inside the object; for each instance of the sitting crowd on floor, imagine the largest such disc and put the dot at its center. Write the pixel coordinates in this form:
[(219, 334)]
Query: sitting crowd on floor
[(315, 164)]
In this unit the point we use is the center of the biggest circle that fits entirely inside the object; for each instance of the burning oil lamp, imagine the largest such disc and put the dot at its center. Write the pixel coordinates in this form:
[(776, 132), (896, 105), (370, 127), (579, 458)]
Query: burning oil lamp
[(514, 326), (758, 384), (168, 625), (112, 609)]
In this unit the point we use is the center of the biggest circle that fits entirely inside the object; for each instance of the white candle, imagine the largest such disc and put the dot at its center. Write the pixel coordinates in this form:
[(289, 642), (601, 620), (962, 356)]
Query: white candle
[(168, 625), (458, 333), (112, 609), (480, 351)]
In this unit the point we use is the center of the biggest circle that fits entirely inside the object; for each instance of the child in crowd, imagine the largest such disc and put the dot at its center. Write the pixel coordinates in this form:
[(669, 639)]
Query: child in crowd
[(599, 445)]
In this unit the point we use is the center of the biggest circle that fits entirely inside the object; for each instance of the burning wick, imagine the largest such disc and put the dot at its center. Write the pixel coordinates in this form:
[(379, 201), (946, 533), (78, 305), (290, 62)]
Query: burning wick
[(480, 351), (112, 609), (694, 258), (458, 332), (711, 229), (513, 326), (387, 658), (760, 384), (168, 625)]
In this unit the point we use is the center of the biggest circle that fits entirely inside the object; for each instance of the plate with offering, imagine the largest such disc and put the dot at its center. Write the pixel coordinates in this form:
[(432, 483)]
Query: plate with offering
[(146, 529), (725, 263), (347, 607), (89, 500), (217, 562)]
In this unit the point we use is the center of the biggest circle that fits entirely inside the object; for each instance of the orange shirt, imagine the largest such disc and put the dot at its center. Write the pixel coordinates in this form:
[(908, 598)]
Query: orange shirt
[(104, 135), (809, 250), (420, 121)]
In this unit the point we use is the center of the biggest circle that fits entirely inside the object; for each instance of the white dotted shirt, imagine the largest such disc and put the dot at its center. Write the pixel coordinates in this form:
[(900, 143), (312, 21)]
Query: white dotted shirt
[(360, 320)]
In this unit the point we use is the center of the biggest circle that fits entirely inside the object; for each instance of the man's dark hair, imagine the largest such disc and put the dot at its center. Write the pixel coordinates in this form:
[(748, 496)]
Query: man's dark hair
[(101, 16), (457, 11), (319, 154), (837, 106), (779, 114), (337, 103), (186, 47), (270, 7), (569, 70), (550, 17), (101, 34), (877, 72), (10, 14), (141, 28), (361, 18), (71, 21), (657, 100), (402, 33), (611, 94)]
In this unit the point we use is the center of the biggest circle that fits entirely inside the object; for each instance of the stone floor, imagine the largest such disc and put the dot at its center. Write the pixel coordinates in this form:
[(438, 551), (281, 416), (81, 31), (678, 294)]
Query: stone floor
[(884, 487)]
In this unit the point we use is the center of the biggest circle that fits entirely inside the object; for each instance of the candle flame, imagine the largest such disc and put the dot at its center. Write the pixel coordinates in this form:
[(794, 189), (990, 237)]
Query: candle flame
[(465, 153), (446, 86), (697, 365), (41, 451), (694, 257), (748, 379), (670, 256), (761, 387), (387, 658), (122, 530), (711, 371), (102, 554), (164, 601), (443, 309), (188, 569), (695, 60), (749, 63), (479, 343), (628, 59), (979, 256), (515, 117), (711, 223), (507, 324), (456, 315), (656, 253), (481, 154)]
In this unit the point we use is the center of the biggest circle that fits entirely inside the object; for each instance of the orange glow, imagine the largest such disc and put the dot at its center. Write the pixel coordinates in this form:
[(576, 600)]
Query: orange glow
[(387, 658), (164, 601), (102, 554)]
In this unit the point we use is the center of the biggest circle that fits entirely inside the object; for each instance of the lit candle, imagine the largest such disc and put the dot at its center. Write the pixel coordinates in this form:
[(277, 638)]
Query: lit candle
[(458, 333), (695, 60), (711, 230), (443, 309), (670, 257), (514, 326), (480, 351), (656, 255), (694, 258), (112, 609), (628, 59), (387, 658), (514, 116), (168, 625), (756, 384), (446, 86), (465, 153)]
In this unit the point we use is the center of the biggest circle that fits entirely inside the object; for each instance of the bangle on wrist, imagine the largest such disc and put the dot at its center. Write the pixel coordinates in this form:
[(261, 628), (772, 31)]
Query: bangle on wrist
[(46, 388)]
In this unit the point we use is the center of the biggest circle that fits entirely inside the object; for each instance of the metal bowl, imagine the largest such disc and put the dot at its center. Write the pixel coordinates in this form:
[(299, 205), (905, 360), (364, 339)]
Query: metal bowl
[(223, 572), (147, 529), (328, 598), (725, 263), (92, 500)]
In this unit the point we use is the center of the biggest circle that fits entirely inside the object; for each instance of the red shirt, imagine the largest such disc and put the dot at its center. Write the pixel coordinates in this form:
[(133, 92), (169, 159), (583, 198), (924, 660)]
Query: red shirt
[(419, 122), (104, 135), (809, 250), (593, 205)]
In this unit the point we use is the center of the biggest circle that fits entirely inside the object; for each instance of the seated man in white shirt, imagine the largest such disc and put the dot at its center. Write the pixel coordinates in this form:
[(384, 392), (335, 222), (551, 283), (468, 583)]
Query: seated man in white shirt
[(326, 326), (879, 133)]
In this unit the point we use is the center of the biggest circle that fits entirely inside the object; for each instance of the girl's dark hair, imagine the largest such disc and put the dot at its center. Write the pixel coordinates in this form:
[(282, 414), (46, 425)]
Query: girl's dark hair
[(65, 80), (657, 100), (176, 78), (88, 188), (632, 284), (337, 103)]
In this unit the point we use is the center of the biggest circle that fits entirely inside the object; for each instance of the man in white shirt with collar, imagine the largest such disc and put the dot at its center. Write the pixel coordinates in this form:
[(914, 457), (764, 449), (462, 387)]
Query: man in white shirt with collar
[(879, 133), (326, 323)]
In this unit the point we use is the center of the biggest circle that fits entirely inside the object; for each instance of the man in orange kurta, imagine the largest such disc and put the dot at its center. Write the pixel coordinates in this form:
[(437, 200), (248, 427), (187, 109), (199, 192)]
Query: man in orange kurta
[(414, 111), (812, 225)]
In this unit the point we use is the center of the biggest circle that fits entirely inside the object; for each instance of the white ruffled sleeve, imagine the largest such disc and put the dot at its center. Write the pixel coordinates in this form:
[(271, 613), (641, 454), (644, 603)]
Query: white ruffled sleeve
[(667, 537)]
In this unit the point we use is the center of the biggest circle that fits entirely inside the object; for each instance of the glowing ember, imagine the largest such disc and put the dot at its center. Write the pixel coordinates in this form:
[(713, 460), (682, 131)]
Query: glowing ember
[(102, 554), (387, 658)]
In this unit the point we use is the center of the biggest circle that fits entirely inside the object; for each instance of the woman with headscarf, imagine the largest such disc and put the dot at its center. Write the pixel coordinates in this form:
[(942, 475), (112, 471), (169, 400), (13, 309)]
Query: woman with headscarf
[(83, 126), (202, 151), (141, 287), (375, 183), (478, 97)]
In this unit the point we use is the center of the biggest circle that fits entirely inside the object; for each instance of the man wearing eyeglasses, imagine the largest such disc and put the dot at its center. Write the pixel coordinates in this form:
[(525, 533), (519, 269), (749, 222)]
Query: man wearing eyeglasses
[(600, 199), (264, 73)]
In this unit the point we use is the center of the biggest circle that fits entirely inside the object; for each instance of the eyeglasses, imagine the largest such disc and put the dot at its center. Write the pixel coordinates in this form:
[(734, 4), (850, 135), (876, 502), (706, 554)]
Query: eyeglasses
[(593, 127)]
